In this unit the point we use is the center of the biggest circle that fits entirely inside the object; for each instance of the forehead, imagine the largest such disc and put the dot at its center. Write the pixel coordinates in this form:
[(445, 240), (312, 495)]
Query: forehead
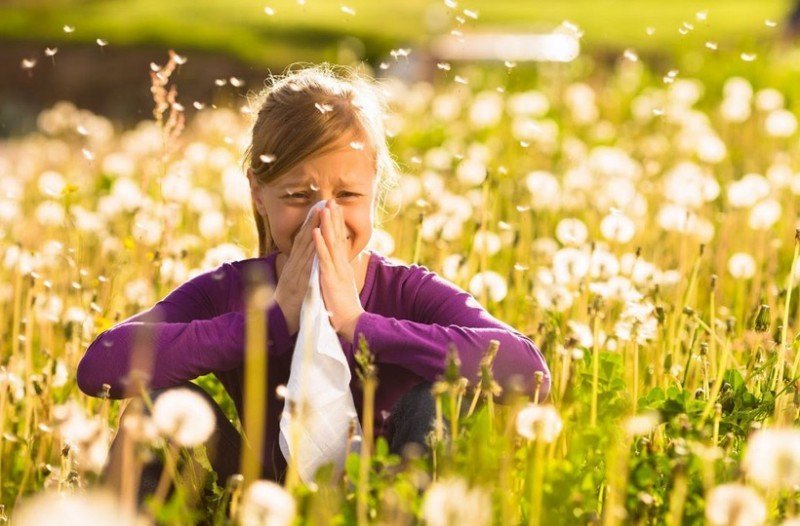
[(343, 166)]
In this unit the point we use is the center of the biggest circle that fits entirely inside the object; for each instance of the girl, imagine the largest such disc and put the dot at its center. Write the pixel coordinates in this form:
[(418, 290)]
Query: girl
[(318, 134)]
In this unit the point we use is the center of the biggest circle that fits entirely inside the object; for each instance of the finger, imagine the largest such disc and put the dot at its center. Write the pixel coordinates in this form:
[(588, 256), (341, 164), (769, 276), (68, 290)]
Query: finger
[(322, 250), (338, 224), (328, 232)]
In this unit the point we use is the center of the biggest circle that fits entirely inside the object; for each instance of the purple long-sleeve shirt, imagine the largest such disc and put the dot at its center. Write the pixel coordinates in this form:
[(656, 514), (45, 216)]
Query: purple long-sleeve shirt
[(411, 316)]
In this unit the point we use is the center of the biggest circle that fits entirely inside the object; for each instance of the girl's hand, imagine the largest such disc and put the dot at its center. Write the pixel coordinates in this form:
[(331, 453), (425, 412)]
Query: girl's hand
[(293, 281), (337, 279)]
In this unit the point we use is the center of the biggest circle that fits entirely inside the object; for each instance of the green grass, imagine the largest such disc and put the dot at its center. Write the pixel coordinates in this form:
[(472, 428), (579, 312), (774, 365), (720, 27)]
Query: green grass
[(313, 31)]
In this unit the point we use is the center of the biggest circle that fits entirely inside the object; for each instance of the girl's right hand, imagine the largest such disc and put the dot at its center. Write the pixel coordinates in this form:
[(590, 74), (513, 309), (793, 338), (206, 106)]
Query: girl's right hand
[(293, 281)]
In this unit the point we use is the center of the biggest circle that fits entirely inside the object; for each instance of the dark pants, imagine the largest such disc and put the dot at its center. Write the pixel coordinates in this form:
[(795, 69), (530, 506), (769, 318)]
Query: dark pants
[(410, 422)]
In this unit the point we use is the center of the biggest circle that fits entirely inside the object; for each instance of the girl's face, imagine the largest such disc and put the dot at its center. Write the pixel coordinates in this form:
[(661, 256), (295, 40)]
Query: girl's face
[(346, 174)]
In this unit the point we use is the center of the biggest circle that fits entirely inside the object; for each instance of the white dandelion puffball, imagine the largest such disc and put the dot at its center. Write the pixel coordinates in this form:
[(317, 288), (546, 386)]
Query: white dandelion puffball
[(643, 424), (544, 189), (493, 283), (266, 503), (772, 459), (735, 505), (450, 502), (741, 265), (780, 123), (539, 421), (185, 416), (471, 172), (381, 242), (486, 109), (488, 242), (89, 508), (764, 215), (617, 227), (571, 231)]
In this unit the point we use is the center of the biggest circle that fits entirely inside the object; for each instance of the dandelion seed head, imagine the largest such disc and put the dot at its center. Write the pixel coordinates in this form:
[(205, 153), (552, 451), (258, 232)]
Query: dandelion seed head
[(735, 505), (184, 416), (101, 42), (536, 421), (69, 29), (28, 63)]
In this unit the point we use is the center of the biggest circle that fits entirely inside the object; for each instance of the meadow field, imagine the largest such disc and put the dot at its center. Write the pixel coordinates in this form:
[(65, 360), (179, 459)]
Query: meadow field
[(638, 222)]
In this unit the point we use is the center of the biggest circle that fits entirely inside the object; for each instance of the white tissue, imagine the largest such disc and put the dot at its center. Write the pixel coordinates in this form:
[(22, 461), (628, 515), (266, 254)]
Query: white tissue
[(320, 374)]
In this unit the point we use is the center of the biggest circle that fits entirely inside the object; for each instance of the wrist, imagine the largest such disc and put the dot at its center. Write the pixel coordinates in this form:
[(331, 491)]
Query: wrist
[(348, 328)]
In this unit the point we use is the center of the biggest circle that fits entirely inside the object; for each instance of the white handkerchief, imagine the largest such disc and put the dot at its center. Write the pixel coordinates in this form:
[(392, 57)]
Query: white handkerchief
[(319, 382)]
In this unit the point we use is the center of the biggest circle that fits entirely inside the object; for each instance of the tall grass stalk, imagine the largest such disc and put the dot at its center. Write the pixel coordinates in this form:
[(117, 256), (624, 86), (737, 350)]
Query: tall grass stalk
[(368, 375), (255, 382)]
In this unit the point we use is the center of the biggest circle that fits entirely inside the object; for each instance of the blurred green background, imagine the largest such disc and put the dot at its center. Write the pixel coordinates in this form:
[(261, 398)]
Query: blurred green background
[(249, 38)]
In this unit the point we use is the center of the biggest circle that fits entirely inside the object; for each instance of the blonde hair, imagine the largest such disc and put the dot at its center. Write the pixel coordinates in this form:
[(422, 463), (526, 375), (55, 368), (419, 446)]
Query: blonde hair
[(304, 113)]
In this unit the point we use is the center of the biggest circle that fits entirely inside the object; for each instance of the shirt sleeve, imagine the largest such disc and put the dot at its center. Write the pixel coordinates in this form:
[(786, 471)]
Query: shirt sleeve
[(442, 313), (181, 337)]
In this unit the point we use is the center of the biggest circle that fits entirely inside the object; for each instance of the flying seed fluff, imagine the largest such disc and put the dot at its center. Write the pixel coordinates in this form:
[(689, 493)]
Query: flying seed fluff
[(303, 113)]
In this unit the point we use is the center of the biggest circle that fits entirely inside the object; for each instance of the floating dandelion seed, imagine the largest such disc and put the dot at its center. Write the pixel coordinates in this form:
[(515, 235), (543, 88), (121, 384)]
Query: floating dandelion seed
[(69, 29), (198, 105), (357, 145), (220, 82), (460, 79), (711, 45), (701, 15), (101, 42), (50, 51), (688, 26), (179, 59), (524, 144), (683, 30), (177, 106), (770, 23), (384, 65), (267, 158), (301, 2), (658, 112), (28, 63), (348, 10), (456, 33), (323, 107), (650, 31), (154, 67), (400, 52), (748, 57), (236, 82), (630, 55), (460, 19), (269, 11), (81, 129), (87, 154), (471, 14), (509, 64), (313, 187), (451, 4), (444, 66)]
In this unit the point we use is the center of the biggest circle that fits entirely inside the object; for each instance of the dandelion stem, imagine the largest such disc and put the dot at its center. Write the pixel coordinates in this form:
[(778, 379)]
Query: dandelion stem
[(537, 479)]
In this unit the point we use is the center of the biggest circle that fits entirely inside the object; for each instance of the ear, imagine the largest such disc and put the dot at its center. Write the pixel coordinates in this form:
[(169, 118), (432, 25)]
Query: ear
[(256, 190)]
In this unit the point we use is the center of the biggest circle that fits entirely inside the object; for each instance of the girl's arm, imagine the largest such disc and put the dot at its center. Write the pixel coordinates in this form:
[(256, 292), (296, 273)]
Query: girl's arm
[(186, 336), (444, 313)]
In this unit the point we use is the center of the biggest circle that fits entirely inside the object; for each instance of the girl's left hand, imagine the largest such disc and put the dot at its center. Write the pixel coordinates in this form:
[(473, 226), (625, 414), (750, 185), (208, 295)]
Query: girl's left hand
[(337, 279)]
